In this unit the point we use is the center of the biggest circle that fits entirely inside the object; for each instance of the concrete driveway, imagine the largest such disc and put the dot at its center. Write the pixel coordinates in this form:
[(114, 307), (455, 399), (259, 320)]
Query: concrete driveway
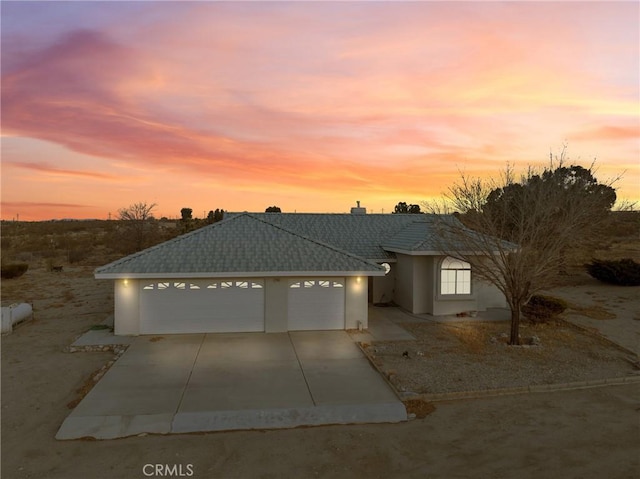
[(213, 382)]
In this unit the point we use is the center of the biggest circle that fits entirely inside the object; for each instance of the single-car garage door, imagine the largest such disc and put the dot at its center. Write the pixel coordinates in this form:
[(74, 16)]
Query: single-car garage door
[(201, 306), (316, 304)]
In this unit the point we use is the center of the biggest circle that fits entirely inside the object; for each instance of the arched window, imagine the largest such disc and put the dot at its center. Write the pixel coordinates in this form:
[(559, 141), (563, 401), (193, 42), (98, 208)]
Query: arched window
[(455, 276)]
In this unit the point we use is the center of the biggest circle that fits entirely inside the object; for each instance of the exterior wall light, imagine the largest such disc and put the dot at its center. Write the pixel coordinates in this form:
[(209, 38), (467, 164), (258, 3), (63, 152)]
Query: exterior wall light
[(126, 282)]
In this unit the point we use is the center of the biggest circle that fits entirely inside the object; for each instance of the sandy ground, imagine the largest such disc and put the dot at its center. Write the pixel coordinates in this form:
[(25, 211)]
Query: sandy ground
[(589, 433), (612, 310)]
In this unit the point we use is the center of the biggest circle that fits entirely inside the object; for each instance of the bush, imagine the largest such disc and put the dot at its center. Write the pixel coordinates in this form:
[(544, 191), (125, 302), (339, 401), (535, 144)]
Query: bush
[(624, 272), (540, 308), (14, 270)]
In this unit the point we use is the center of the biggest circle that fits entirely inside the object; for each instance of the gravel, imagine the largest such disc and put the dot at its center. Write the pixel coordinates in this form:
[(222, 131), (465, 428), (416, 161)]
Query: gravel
[(473, 356)]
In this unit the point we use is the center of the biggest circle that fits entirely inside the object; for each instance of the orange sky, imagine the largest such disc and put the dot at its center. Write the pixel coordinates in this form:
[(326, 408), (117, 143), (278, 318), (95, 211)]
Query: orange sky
[(307, 106)]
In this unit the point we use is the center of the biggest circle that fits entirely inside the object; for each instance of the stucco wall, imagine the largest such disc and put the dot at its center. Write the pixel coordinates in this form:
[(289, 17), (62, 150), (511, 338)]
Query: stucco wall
[(383, 286), (126, 307), (275, 305), (403, 291), (422, 284), (356, 305), (489, 296)]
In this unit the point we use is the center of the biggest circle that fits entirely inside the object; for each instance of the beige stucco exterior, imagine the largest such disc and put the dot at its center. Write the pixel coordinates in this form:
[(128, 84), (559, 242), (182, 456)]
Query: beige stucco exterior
[(417, 289), (127, 304), (127, 307), (412, 283)]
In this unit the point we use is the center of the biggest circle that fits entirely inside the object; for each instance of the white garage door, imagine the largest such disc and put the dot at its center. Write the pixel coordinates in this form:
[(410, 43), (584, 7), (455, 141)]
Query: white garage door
[(202, 306), (316, 304)]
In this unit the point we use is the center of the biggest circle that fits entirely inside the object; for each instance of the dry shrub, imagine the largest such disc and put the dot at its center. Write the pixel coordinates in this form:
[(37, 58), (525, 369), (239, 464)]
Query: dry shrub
[(419, 407), (471, 336), (624, 272), (14, 270), (542, 308), (84, 389)]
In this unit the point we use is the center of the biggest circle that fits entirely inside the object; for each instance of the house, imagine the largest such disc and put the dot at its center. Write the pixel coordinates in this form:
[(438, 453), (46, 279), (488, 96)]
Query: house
[(276, 272)]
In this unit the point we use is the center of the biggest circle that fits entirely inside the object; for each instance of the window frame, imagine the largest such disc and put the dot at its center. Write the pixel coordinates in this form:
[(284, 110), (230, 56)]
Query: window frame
[(458, 268)]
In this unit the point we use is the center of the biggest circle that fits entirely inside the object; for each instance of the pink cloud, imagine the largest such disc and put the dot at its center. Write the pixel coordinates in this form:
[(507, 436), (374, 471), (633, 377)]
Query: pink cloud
[(608, 133), (307, 99), (52, 170)]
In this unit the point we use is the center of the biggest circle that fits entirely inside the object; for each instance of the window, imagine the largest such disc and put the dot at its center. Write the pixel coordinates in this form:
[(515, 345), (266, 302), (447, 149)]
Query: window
[(455, 276), (316, 283)]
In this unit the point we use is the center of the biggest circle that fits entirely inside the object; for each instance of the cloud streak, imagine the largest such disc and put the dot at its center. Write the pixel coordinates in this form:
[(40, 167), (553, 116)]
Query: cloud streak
[(317, 98), (52, 170)]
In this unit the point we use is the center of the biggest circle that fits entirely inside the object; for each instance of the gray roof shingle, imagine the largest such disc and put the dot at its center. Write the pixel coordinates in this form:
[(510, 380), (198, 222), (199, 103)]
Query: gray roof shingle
[(433, 237), (280, 244), (244, 243), (362, 235)]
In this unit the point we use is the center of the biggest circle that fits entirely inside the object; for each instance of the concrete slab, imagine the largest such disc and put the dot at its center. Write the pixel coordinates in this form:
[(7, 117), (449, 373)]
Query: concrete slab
[(289, 417), (242, 347), (190, 383), (112, 427), (324, 345), (383, 326), (345, 381), (270, 384)]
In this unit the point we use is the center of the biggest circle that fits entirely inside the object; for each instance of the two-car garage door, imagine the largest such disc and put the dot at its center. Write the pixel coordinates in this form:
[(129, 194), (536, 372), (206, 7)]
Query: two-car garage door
[(201, 306), (220, 306)]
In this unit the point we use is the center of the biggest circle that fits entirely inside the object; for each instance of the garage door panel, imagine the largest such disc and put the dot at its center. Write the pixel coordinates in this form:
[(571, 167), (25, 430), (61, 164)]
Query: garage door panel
[(316, 304), (202, 307)]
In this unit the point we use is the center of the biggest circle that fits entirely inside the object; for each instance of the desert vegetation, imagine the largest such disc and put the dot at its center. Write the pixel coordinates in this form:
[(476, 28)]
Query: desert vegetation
[(624, 272), (529, 224), (51, 244)]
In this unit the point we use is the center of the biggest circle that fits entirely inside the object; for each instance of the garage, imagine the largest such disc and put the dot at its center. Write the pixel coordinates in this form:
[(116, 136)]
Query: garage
[(201, 306), (316, 304)]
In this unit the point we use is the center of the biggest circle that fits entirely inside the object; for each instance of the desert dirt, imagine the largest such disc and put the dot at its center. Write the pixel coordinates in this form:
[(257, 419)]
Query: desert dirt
[(589, 433)]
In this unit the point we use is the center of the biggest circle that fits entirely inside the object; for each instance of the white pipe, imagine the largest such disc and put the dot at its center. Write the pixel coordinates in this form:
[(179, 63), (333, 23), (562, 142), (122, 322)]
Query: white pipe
[(15, 314)]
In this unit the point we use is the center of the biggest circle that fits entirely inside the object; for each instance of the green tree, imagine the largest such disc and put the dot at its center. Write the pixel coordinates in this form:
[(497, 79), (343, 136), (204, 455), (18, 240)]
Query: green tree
[(273, 209), (186, 214), (404, 208), (215, 216)]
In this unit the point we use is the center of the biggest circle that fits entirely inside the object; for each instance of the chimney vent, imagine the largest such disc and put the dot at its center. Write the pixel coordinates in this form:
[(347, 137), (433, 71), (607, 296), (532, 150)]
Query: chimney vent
[(358, 210)]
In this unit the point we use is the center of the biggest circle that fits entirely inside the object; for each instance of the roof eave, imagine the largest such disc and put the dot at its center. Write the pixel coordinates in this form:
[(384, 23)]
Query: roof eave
[(237, 274), (437, 252)]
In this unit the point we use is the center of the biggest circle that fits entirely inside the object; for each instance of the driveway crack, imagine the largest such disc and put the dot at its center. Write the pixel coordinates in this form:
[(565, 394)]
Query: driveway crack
[(302, 369), (186, 384)]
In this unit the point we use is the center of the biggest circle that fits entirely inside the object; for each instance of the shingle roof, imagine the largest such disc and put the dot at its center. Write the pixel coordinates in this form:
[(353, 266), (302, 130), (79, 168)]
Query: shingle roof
[(431, 237), (244, 243), (362, 235), (416, 236)]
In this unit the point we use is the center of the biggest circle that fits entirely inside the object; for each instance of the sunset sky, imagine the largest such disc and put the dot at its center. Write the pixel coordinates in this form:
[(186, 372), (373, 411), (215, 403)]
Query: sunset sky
[(307, 106)]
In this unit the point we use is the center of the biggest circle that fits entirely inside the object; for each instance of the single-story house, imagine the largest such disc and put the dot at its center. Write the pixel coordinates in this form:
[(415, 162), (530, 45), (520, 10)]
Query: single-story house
[(276, 272)]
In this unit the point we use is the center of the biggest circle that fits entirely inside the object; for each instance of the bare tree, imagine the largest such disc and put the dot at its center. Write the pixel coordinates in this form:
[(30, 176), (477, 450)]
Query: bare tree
[(138, 219), (514, 233)]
